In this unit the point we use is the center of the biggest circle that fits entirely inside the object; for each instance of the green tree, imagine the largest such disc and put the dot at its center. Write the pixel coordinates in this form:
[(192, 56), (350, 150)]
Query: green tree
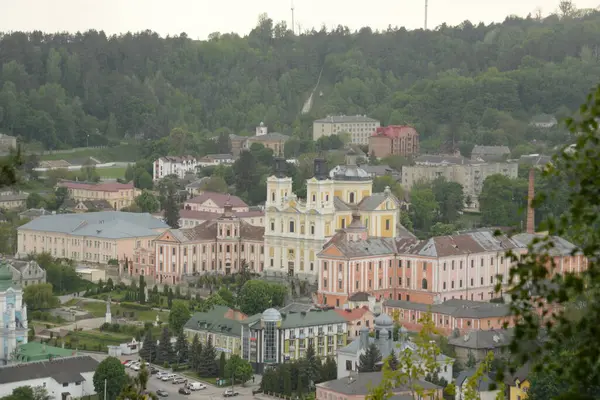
[(88, 172), (28, 393), (40, 297), (424, 208), (164, 353), (169, 200), (208, 364), (369, 360), (238, 368), (195, 353), (392, 361), (111, 374), (147, 202), (381, 182), (328, 370), (222, 366), (181, 348), (257, 295), (450, 197), (502, 201), (313, 365), (142, 290), (215, 184), (148, 350)]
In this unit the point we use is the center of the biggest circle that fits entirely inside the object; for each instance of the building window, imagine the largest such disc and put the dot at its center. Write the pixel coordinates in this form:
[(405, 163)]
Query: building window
[(424, 283), (348, 365), (312, 229), (291, 226), (351, 198), (343, 223), (387, 224)]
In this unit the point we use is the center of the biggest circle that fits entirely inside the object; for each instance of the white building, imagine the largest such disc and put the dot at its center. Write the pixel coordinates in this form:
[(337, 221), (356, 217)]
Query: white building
[(348, 358), (486, 388), (63, 378), (359, 127), (13, 316), (173, 166), (211, 160), (261, 129)]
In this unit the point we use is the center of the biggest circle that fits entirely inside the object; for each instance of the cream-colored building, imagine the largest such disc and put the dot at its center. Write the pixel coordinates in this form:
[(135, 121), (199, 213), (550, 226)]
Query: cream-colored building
[(91, 237), (360, 127), (296, 230), (119, 195), (470, 174)]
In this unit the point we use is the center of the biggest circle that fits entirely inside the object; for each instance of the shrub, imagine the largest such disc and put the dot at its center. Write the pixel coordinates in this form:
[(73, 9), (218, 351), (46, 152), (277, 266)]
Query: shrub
[(135, 306)]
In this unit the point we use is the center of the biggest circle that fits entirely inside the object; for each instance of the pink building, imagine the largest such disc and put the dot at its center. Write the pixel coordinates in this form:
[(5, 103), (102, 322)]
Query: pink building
[(356, 318), (218, 246), (215, 203)]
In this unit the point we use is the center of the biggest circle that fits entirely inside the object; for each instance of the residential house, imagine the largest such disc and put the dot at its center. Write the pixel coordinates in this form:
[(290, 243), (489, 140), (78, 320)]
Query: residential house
[(219, 246), (359, 386), (89, 237), (33, 213), (171, 165), (296, 229), (273, 337), (119, 195), (10, 200), (454, 316), (195, 187), (518, 383), (478, 343), (7, 143), (359, 127), (221, 324), (394, 140), (356, 319), (348, 357), (25, 273), (470, 174), (63, 378), (83, 206), (381, 170), (534, 160), (486, 386), (490, 153), (211, 160)]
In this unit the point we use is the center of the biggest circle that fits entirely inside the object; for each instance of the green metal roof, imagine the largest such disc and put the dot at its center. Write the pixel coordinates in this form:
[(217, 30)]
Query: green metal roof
[(302, 319), (6, 277), (214, 321), (36, 351)]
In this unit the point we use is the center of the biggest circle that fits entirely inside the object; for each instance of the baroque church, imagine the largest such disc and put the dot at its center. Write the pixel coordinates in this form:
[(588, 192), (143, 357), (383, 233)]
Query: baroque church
[(296, 229)]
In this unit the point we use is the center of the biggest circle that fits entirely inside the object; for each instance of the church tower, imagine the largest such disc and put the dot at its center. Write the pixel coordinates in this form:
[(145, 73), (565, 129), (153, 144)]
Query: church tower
[(279, 185)]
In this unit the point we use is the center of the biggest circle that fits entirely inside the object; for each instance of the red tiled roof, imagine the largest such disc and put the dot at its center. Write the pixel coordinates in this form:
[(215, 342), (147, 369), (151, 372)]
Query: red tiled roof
[(394, 131), (219, 199), (352, 315), (101, 187)]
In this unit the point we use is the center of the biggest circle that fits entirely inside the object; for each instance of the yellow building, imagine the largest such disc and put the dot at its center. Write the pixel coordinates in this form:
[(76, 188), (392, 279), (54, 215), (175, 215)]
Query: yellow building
[(519, 384), (119, 195), (296, 230)]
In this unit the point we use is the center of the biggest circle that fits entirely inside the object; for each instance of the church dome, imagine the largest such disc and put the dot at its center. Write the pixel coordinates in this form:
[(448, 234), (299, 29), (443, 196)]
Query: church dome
[(349, 173), (383, 320)]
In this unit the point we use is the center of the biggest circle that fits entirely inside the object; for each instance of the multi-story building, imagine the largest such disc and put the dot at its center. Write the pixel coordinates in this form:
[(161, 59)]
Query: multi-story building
[(273, 140), (218, 246), (359, 127), (296, 230), (171, 165), (394, 140), (221, 325), (13, 315), (470, 174), (119, 195), (348, 357), (273, 337), (25, 273), (464, 267), (91, 237)]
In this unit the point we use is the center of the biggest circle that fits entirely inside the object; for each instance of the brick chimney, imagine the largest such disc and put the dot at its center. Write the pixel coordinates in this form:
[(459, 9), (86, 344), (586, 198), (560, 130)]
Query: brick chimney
[(530, 196)]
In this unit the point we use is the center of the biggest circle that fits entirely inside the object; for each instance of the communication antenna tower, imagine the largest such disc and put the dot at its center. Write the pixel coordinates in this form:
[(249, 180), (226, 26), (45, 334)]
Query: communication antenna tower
[(293, 26), (426, 1)]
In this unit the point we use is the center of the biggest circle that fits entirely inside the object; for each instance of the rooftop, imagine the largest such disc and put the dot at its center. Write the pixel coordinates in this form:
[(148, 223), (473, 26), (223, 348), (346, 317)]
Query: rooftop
[(482, 339), (343, 119), (100, 187), (63, 370), (456, 308), (103, 224), (36, 351), (178, 159), (272, 136), (395, 131), (361, 383), (207, 230), (352, 314), (484, 384), (216, 320), (220, 199), (490, 150), (14, 197)]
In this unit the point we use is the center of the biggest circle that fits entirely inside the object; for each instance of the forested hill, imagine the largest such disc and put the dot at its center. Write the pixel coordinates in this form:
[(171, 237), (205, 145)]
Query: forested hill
[(462, 84)]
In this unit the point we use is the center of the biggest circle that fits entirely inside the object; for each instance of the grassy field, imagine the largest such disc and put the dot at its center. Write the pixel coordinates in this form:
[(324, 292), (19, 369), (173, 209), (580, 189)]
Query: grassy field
[(123, 152), (92, 339), (111, 172), (98, 309)]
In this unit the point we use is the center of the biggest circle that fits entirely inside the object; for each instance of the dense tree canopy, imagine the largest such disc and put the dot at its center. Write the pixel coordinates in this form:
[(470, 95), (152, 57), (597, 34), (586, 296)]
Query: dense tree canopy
[(469, 83)]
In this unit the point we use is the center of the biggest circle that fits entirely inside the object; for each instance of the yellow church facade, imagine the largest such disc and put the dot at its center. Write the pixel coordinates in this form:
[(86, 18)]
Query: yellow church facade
[(296, 229)]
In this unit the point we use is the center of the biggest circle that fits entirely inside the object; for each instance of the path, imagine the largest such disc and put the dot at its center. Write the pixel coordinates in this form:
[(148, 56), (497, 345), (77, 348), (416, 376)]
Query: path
[(309, 102)]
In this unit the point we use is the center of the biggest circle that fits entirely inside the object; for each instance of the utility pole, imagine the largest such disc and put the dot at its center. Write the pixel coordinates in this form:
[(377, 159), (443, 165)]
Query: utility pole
[(293, 26), (105, 389), (426, 1)]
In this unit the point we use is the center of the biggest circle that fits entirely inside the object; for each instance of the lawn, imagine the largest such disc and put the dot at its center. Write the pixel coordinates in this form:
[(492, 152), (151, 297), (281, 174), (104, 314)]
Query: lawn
[(123, 152), (96, 340), (111, 172), (195, 376), (98, 309)]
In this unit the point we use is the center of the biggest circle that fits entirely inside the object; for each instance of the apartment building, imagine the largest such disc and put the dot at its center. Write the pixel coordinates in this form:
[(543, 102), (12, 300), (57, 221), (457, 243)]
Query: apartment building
[(171, 165), (218, 246), (25, 273), (119, 195), (470, 174), (91, 237), (464, 267), (394, 140), (221, 325), (274, 337), (360, 127), (490, 153)]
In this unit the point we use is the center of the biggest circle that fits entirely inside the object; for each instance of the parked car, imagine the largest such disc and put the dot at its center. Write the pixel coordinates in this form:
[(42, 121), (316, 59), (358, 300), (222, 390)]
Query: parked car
[(196, 386), (126, 362), (230, 393), (162, 393), (168, 377), (161, 374), (184, 391), (153, 370), (178, 380), (136, 367)]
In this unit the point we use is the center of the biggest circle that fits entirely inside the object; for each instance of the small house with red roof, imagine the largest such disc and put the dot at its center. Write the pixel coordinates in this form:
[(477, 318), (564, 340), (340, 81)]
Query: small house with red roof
[(357, 319)]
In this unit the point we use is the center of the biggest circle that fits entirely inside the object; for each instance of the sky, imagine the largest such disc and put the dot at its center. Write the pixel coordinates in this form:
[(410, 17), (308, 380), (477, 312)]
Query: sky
[(199, 18)]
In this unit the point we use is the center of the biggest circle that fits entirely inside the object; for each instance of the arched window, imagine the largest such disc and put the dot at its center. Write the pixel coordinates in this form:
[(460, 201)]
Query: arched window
[(424, 283), (351, 197), (312, 229), (273, 196)]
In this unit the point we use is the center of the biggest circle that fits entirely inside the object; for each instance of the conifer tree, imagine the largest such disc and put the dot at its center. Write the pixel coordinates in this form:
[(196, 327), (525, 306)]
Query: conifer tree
[(368, 361), (208, 363), (148, 350), (165, 349), (195, 353), (181, 348)]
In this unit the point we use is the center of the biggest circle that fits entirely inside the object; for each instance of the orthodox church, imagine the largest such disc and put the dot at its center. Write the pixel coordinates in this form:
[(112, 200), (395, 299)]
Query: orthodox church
[(13, 316)]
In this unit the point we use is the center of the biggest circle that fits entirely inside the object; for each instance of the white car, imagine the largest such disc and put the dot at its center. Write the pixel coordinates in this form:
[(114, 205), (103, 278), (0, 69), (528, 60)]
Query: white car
[(196, 386), (128, 364), (161, 374), (168, 377), (136, 367)]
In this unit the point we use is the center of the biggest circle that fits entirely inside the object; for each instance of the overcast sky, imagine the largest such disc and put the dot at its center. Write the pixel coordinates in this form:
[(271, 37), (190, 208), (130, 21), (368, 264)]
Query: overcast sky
[(198, 18)]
